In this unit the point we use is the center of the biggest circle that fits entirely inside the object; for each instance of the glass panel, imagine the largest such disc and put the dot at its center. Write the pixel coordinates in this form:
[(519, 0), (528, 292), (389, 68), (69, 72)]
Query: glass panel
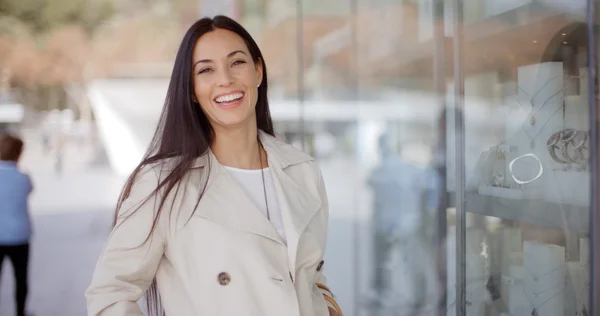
[(526, 158), (398, 182)]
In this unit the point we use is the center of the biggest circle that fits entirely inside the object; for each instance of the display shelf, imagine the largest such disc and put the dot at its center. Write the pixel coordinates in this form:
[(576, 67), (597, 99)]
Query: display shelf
[(571, 218)]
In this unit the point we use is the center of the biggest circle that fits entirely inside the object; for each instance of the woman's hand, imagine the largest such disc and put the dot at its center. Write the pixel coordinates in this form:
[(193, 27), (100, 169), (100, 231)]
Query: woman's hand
[(332, 312)]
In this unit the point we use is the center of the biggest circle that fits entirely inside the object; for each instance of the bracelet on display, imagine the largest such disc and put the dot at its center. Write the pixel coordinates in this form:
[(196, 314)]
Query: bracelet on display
[(553, 144), (567, 146), (519, 181), (568, 138), (498, 178), (579, 145), (500, 154)]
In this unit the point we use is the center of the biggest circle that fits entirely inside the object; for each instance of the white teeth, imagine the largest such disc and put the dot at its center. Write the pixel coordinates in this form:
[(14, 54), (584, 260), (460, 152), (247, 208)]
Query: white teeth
[(229, 97)]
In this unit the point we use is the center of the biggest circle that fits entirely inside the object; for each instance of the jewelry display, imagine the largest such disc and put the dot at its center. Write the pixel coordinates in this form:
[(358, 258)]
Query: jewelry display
[(500, 154), (534, 311), (569, 146), (556, 141), (498, 174), (545, 279), (533, 178), (498, 178), (532, 139), (523, 300), (580, 144), (519, 181), (531, 115)]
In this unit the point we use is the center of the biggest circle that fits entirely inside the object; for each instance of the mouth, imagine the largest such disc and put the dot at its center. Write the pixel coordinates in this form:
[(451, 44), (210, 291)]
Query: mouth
[(229, 100)]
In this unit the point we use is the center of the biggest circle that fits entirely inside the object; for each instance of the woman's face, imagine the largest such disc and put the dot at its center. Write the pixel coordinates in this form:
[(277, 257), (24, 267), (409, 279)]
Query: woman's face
[(225, 79)]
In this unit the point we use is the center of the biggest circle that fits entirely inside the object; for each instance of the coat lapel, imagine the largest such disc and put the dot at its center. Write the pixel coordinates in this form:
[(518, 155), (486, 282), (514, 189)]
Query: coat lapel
[(297, 205), (224, 201)]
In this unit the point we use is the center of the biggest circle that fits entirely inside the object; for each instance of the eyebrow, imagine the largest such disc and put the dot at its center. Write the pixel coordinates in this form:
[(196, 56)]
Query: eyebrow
[(228, 56)]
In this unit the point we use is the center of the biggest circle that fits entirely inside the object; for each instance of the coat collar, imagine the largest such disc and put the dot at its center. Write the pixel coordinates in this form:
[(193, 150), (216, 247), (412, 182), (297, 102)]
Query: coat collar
[(297, 205), (280, 153)]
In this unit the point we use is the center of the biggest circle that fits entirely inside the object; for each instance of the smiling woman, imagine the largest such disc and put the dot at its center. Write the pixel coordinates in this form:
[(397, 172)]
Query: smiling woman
[(226, 79), (246, 214)]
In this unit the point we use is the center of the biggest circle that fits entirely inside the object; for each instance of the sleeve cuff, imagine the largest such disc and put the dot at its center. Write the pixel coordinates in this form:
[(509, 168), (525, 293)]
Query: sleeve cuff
[(329, 298), (330, 302), (325, 290)]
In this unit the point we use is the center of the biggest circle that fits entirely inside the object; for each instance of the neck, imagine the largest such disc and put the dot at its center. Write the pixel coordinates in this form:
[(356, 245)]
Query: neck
[(238, 148)]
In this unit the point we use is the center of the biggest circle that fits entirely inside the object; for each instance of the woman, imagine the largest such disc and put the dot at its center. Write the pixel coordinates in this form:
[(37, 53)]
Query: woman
[(15, 223), (220, 217)]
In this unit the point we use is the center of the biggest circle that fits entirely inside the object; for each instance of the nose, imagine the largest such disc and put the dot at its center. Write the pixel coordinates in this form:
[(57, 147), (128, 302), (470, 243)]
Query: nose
[(225, 78)]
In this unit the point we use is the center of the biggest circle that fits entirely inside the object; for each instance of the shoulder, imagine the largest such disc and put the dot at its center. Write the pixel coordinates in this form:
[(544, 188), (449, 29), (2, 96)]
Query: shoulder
[(14, 174), (154, 177), (295, 162), (159, 169), (144, 180), (22, 175), (284, 153)]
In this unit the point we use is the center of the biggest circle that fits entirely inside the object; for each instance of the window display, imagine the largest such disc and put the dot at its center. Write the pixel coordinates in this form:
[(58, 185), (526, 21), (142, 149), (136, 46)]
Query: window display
[(545, 140), (528, 196)]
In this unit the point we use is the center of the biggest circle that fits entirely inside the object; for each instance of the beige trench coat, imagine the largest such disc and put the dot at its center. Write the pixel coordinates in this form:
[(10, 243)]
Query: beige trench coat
[(227, 259)]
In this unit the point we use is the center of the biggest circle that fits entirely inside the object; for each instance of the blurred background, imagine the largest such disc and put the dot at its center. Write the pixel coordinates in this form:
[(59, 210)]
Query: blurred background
[(432, 120)]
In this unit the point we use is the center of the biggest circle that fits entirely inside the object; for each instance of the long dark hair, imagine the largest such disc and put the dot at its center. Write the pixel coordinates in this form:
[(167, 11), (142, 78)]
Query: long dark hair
[(184, 133)]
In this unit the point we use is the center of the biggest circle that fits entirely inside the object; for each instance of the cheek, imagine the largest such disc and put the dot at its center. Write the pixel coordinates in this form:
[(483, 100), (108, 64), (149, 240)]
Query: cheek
[(247, 76), (202, 91)]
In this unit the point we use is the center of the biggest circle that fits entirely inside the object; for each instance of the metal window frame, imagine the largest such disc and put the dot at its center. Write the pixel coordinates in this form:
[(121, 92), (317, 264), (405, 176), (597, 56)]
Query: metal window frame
[(594, 295), (459, 124)]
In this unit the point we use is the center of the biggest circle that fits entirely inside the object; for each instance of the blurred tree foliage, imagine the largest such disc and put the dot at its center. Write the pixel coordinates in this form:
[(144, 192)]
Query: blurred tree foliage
[(45, 46), (45, 15)]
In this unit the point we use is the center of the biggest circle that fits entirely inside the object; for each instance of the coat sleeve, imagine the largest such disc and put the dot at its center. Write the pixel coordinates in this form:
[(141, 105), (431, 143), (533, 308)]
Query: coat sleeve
[(321, 282), (128, 263)]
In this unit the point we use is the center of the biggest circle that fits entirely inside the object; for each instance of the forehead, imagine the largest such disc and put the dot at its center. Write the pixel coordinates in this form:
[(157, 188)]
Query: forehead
[(217, 44)]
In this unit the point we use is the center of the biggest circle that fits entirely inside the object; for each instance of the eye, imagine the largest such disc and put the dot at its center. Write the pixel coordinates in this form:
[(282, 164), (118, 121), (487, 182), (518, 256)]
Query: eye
[(238, 62), (204, 70)]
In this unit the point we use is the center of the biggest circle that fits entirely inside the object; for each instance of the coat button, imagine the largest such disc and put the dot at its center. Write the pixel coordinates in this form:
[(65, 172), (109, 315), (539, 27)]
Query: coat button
[(224, 278), (320, 266)]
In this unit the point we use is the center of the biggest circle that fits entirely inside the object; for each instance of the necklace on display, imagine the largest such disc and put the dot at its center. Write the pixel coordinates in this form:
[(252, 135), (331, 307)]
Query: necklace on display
[(535, 294), (534, 311), (581, 293), (532, 139), (536, 277), (531, 115), (584, 311), (262, 172)]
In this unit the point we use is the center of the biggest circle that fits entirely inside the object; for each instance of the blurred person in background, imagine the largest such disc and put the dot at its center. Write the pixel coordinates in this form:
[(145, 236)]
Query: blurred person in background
[(386, 200), (15, 223), (404, 279), (220, 217)]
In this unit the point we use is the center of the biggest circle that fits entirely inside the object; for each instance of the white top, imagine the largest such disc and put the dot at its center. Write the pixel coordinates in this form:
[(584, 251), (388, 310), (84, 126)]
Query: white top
[(251, 181)]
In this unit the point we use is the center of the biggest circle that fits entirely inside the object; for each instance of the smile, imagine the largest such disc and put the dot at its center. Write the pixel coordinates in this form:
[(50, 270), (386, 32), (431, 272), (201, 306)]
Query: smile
[(229, 98)]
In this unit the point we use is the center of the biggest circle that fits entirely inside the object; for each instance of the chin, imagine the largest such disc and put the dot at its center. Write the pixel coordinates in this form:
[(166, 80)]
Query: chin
[(232, 120), (232, 117)]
